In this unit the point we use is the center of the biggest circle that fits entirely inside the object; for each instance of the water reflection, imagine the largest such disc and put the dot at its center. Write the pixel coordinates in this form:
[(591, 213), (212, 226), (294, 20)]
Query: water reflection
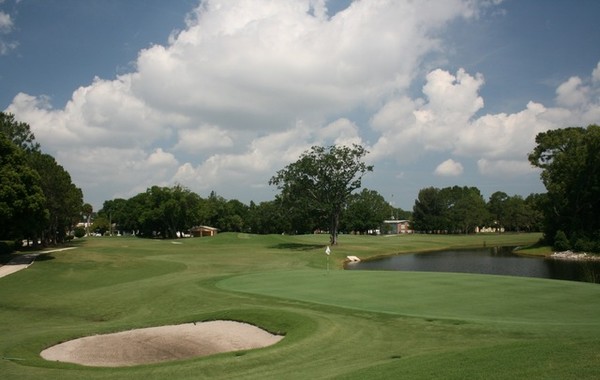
[(497, 260)]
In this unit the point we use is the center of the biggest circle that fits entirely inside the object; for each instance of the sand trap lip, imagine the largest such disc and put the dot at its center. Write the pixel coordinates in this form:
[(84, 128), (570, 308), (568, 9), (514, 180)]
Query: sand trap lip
[(159, 344)]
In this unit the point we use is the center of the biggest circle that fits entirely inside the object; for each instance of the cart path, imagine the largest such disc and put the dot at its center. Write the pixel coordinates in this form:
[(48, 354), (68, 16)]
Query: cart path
[(24, 261)]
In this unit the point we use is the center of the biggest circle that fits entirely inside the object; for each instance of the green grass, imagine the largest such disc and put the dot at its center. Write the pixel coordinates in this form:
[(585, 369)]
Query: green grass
[(338, 324), (536, 250)]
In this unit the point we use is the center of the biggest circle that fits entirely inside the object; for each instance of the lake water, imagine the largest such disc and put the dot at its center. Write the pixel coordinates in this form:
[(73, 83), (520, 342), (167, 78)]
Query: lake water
[(498, 260)]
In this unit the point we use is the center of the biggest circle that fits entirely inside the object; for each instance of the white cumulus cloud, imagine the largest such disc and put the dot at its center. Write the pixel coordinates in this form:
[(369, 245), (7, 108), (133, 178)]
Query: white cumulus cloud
[(224, 95), (448, 119), (6, 26), (449, 168), (248, 85), (413, 126), (6, 23), (203, 138)]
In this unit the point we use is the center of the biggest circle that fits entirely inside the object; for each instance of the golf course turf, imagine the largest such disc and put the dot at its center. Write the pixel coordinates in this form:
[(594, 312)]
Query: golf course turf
[(337, 324)]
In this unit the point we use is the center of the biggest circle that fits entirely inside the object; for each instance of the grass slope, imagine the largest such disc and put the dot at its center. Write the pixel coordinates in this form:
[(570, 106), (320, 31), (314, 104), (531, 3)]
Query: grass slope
[(350, 325)]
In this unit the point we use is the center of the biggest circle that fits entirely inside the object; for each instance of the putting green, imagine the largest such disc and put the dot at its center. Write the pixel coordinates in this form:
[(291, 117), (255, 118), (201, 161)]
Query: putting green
[(465, 297)]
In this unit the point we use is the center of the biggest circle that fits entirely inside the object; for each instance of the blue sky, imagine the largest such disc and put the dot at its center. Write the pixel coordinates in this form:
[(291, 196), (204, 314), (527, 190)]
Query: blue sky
[(219, 95)]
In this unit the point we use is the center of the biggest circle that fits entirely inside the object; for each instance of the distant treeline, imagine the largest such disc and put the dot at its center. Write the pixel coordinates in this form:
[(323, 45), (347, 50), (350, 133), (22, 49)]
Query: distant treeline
[(165, 211)]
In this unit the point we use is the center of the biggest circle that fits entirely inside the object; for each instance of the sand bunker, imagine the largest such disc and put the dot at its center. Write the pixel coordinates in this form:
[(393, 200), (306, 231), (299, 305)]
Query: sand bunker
[(158, 344)]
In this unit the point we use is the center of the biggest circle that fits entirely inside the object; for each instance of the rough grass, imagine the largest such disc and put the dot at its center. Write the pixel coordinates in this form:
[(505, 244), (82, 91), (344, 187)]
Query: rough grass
[(341, 324)]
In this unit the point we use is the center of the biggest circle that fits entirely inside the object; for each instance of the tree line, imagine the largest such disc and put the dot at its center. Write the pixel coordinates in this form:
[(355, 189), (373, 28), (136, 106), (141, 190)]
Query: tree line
[(464, 210), (38, 201), (319, 192), (169, 211)]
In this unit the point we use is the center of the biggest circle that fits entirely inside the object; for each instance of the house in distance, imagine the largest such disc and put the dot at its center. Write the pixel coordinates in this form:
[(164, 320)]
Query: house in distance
[(202, 231)]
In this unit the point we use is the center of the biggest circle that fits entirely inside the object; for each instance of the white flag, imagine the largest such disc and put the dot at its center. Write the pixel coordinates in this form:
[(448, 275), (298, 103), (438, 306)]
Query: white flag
[(327, 251)]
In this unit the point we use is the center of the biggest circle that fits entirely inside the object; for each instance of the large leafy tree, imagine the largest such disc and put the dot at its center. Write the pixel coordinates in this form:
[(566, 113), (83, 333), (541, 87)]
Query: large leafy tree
[(22, 200), (497, 208), (216, 211), (466, 208), (430, 211), (321, 181), (570, 165), (120, 212), (535, 204), (451, 209), (366, 211), (61, 199), (267, 218), (167, 210), (18, 132), (64, 200), (159, 211), (234, 216), (513, 213)]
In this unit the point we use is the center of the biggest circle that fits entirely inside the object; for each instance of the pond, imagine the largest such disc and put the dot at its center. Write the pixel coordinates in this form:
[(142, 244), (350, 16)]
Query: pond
[(497, 260)]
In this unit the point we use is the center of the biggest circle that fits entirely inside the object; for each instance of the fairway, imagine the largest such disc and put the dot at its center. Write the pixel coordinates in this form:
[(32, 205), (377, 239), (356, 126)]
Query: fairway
[(337, 324)]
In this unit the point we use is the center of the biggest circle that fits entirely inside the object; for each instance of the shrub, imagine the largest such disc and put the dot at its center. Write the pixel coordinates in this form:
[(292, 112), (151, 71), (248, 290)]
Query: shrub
[(7, 247), (561, 243), (586, 245), (79, 232)]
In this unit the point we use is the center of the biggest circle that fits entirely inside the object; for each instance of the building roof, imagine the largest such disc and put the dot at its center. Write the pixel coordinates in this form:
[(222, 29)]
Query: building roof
[(205, 228)]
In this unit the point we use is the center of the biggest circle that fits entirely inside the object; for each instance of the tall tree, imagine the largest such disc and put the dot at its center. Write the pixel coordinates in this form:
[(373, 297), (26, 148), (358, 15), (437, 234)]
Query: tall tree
[(87, 211), (497, 208), (123, 213), (322, 179), (64, 200), (159, 211), (268, 218), (18, 132), (235, 214), (430, 211), (466, 208), (451, 209), (570, 166), (535, 204), (22, 211), (366, 211)]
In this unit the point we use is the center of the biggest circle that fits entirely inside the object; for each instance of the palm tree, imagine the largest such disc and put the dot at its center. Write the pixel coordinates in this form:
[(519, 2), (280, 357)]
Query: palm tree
[(87, 210)]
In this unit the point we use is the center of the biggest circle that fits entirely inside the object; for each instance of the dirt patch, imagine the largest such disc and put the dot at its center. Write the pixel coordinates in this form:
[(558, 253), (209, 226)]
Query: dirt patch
[(159, 344)]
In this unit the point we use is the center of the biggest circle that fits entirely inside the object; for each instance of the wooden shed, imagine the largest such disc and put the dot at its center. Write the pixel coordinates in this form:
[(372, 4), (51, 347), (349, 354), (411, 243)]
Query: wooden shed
[(202, 231)]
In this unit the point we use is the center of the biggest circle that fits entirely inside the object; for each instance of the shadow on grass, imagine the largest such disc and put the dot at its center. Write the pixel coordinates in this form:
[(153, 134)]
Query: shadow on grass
[(298, 246), (25, 258), (44, 257)]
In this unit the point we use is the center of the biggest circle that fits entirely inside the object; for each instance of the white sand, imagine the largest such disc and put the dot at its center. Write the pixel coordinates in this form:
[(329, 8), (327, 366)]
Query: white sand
[(158, 344)]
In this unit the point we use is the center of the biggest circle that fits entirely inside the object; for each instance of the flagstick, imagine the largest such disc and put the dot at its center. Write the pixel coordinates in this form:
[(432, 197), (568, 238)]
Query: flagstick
[(327, 252)]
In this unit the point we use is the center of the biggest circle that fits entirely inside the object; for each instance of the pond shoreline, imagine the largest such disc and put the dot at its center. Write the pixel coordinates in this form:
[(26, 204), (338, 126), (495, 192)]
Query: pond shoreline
[(494, 261), (569, 255)]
